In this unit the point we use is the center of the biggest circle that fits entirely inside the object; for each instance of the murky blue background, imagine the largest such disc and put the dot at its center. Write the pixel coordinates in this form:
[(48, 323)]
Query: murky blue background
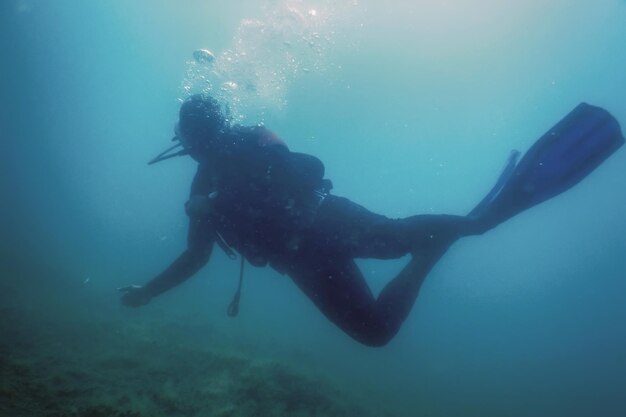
[(412, 105)]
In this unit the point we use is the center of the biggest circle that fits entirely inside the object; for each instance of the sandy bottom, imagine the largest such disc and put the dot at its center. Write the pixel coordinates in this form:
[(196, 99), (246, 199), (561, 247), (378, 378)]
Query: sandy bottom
[(59, 357)]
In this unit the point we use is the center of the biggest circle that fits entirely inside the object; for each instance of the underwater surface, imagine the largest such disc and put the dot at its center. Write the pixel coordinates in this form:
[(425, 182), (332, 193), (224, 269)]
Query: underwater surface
[(413, 106)]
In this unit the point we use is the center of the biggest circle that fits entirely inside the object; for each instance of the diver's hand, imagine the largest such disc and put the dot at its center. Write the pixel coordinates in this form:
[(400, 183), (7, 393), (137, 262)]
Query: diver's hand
[(134, 296)]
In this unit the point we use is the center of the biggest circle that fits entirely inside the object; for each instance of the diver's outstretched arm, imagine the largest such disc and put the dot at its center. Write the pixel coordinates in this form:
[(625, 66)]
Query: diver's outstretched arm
[(200, 242), (187, 264)]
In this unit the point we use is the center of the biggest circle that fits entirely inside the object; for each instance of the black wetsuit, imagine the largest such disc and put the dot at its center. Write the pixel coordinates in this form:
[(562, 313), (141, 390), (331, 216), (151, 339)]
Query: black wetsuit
[(273, 206)]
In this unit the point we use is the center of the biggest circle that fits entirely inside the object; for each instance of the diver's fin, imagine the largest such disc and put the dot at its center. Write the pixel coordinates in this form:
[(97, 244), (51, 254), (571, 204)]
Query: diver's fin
[(506, 174), (560, 159)]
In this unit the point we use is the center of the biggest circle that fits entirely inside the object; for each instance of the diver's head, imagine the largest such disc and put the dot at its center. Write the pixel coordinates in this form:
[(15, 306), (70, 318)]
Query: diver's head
[(200, 123), (198, 130)]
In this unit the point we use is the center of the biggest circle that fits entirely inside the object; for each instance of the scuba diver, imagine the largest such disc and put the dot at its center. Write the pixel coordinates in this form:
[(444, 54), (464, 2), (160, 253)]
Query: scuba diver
[(253, 195)]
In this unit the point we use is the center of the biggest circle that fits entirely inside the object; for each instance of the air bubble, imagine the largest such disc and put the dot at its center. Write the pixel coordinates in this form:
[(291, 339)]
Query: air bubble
[(203, 56), (229, 85)]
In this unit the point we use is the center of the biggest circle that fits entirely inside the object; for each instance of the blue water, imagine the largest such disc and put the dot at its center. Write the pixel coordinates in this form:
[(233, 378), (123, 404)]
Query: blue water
[(412, 105)]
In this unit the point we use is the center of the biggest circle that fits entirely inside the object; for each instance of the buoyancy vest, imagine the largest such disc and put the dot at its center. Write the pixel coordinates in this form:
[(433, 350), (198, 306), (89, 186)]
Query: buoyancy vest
[(261, 194)]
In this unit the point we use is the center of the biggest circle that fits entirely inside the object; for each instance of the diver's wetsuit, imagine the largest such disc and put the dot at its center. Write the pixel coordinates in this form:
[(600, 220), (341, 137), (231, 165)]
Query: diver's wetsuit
[(273, 206), (324, 267), (317, 245)]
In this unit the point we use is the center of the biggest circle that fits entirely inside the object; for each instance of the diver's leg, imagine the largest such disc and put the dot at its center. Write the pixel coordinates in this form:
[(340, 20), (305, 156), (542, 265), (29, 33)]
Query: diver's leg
[(358, 233), (337, 287)]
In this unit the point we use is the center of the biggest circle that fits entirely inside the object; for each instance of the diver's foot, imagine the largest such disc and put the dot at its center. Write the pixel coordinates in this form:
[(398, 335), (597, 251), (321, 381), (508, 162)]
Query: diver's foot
[(484, 216)]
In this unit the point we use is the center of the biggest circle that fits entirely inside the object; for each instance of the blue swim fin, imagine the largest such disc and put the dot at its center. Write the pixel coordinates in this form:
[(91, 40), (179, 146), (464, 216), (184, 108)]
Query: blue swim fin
[(561, 158)]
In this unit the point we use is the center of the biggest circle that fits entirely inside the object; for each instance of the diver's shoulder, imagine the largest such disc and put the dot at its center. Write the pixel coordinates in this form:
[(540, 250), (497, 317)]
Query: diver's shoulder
[(260, 135)]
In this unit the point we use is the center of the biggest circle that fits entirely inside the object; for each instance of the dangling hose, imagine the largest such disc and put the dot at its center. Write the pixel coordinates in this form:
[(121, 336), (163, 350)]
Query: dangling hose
[(233, 308)]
